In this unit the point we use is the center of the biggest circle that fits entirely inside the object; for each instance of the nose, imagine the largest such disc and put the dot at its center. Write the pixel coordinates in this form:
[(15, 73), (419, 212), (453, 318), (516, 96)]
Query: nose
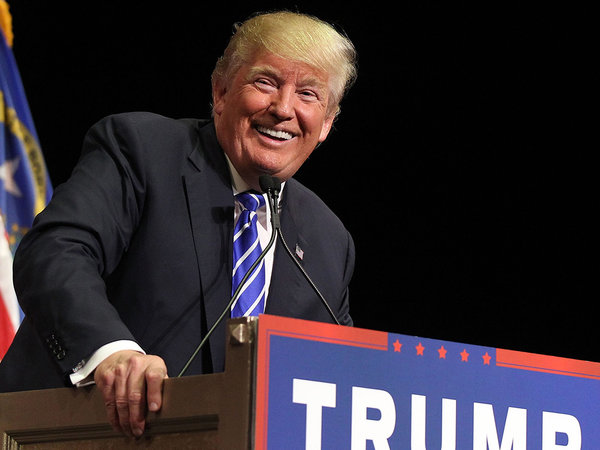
[(282, 104)]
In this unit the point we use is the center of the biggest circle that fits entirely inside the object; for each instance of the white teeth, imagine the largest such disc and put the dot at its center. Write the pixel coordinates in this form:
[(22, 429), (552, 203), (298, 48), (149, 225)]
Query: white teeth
[(275, 133)]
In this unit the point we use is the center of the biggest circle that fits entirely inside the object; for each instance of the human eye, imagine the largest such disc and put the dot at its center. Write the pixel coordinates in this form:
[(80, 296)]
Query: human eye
[(264, 82), (309, 95)]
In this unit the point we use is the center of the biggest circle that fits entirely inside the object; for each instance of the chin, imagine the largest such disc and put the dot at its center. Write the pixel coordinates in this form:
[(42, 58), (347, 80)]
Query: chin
[(270, 167)]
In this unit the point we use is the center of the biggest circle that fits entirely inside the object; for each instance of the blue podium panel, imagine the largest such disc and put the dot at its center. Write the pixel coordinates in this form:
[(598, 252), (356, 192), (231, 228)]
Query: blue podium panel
[(333, 387)]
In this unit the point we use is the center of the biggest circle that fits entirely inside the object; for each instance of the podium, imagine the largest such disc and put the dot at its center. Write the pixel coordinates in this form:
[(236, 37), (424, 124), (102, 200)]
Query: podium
[(199, 412), (295, 384)]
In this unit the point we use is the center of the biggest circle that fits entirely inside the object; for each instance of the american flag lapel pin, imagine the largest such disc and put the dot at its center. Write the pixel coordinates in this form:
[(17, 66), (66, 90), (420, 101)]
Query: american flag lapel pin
[(299, 252)]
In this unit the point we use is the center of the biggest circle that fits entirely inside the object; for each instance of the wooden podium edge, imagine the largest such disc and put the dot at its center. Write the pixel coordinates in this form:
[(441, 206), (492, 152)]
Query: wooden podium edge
[(200, 411)]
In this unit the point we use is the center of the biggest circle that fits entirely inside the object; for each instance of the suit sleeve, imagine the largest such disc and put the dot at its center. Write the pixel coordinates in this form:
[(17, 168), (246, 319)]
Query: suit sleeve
[(76, 242), (343, 314)]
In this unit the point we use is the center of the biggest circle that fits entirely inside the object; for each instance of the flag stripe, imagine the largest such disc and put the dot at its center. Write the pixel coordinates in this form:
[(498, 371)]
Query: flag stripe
[(25, 186)]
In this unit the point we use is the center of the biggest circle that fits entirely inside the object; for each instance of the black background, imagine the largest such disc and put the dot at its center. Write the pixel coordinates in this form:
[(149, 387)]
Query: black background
[(454, 163)]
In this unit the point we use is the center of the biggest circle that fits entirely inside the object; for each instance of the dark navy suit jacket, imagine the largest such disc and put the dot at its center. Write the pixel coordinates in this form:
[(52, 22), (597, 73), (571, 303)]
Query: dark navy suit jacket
[(137, 245)]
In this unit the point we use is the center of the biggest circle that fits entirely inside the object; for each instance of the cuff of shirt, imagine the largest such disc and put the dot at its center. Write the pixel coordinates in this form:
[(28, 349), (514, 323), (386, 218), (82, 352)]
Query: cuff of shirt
[(82, 373)]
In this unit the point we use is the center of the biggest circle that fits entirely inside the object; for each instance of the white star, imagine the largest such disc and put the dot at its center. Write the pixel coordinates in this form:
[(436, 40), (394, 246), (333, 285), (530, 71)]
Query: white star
[(7, 171)]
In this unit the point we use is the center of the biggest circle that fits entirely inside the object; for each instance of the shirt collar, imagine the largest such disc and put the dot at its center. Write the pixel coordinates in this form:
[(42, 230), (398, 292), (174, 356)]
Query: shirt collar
[(237, 182)]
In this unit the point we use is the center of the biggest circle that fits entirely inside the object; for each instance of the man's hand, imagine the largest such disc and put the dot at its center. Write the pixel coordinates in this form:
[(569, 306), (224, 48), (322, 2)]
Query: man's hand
[(130, 382)]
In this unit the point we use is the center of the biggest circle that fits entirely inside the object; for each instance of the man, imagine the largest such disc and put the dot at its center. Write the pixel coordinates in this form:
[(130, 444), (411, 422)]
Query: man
[(131, 262)]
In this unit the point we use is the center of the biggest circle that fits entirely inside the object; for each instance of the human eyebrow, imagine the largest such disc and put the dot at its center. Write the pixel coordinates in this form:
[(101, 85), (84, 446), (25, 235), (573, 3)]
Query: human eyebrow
[(267, 71), (313, 83)]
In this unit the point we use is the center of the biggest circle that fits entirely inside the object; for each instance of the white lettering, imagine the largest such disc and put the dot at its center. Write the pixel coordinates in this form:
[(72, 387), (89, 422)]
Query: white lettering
[(448, 424), (485, 432), (418, 425), (374, 419), (365, 429), (554, 423), (315, 395), (417, 422)]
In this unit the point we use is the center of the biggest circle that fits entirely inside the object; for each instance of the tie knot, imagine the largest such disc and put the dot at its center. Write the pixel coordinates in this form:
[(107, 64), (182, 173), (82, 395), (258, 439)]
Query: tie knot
[(251, 200)]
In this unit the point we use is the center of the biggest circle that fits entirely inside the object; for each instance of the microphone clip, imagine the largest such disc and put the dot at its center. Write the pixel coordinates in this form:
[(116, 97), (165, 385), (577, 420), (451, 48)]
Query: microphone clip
[(272, 186)]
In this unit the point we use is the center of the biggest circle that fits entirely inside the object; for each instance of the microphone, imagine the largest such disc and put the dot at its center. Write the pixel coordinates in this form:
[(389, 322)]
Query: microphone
[(234, 297), (272, 186)]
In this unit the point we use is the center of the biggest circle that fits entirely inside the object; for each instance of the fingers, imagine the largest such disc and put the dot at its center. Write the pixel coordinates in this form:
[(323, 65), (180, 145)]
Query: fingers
[(155, 377), (129, 381), (106, 384), (130, 399)]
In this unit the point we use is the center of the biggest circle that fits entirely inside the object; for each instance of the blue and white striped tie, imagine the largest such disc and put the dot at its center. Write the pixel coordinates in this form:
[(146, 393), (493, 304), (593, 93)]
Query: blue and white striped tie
[(246, 250)]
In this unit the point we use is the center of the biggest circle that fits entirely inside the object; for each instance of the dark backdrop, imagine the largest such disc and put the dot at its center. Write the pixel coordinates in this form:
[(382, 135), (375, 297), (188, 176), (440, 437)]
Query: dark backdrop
[(453, 162)]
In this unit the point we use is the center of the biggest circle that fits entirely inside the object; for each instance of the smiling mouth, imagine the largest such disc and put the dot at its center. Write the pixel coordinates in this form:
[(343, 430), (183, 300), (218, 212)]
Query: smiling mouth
[(274, 134)]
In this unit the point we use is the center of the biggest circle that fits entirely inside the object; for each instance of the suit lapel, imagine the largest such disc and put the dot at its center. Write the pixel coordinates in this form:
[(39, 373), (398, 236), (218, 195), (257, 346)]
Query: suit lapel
[(210, 204), (287, 282)]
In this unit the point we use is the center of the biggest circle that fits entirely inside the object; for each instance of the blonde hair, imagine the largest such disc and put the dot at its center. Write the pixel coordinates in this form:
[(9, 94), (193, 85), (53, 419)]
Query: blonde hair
[(294, 36)]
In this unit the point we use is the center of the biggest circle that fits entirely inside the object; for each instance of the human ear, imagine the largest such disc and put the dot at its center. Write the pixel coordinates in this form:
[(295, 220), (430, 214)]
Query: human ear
[(218, 93), (326, 128)]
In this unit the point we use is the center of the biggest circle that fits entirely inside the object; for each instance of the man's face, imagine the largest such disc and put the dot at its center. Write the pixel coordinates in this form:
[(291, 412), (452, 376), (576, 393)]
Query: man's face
[(271, 116)]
